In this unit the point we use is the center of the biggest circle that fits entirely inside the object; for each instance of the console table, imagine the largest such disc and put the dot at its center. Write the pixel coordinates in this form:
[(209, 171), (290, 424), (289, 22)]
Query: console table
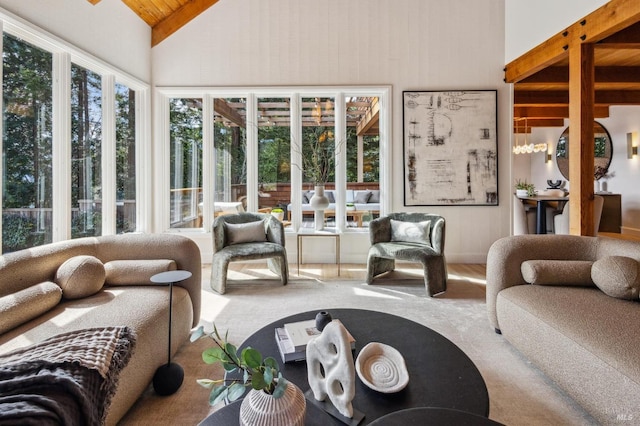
[(611, 219), (440, 374)]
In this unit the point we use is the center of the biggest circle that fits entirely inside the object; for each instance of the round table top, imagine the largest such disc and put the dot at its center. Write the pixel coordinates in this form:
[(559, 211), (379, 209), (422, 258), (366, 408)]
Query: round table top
[(440, 373), (433, 416), (170, 277)]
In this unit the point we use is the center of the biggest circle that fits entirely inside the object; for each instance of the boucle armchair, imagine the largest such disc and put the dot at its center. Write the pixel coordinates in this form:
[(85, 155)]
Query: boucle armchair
[(247, 236), (414, 237)]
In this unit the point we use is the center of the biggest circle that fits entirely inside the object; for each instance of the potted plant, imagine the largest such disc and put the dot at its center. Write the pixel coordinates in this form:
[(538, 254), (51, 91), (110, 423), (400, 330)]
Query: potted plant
[(268, 388), (524, 189), (278, 213)]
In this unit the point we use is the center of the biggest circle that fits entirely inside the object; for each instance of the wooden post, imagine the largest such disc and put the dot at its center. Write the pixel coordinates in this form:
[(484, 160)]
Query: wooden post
[(581, 142)]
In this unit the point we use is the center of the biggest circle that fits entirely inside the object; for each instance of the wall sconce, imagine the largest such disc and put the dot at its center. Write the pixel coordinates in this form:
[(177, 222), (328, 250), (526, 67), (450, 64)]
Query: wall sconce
[(548, 155), (632, 144)]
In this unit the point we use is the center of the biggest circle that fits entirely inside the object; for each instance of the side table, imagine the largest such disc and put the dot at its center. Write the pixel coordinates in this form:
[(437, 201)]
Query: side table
[(319, 234), (168, 378)]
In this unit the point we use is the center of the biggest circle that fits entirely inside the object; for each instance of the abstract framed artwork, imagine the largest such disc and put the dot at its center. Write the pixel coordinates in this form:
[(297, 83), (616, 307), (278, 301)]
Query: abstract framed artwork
[(450, 147)]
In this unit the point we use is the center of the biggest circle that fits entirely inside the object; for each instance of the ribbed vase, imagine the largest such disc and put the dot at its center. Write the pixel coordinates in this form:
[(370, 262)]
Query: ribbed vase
[(259, 408)]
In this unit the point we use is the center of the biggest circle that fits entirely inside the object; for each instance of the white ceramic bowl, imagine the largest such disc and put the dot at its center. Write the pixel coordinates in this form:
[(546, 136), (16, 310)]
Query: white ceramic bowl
[(382, 368)]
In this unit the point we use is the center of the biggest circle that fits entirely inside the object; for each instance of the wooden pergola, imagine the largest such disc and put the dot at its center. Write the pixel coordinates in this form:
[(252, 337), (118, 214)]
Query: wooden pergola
[(578, 74)]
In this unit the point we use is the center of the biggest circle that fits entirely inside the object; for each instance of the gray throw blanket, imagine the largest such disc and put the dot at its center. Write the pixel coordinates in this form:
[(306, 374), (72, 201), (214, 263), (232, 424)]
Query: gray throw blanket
[(68, 379)]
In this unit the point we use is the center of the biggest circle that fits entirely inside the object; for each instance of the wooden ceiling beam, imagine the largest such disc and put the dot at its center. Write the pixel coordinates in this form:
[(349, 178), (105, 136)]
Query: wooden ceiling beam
[(370, 119), (94, 2), (605, 21), (612, 74), (520, 125), (221, 107), (178, 19), (554, 111), (561, 97)]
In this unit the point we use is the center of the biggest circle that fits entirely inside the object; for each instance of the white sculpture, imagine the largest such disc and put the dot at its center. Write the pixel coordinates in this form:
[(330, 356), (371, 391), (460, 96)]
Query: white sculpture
[(330, 367)]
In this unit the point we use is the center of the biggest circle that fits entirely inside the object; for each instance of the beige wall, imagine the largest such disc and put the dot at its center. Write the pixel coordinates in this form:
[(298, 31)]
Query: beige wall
[(409, 44)]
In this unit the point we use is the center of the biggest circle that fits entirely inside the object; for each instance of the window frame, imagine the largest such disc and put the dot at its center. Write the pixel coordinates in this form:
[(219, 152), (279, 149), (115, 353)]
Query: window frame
[(64, 54), (162, 96)]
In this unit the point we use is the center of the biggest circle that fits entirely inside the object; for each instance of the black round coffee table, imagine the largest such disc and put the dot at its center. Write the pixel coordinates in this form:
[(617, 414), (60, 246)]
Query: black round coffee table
[(423, 416), (440, 374)]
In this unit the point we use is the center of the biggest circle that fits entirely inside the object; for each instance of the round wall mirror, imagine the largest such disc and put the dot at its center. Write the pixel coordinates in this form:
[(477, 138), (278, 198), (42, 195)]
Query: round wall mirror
[(602, 155)]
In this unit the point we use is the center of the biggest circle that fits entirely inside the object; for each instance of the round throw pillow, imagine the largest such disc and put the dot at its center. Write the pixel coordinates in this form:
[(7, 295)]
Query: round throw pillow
[(617, 276), (80, 276)]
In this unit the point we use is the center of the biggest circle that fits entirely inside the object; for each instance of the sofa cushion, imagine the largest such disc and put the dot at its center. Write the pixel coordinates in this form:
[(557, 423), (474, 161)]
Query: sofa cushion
[(410, 232), (306, 196), (80, 276), (250, 232), (375, 196), (23, 305), (135, 272), (362, 197), (557, 272), (617, 276), (330, 196)]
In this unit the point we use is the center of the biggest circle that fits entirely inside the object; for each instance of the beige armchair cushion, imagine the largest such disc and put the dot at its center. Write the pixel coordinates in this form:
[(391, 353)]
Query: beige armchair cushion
[(411, 232), (249, 232), (80, 276), (24, 305), (617, 276), (135, 272), (557, 272)]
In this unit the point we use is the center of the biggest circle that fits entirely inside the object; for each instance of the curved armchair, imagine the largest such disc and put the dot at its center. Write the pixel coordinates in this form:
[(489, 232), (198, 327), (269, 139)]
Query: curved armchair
[(415, 237), (239, 237)]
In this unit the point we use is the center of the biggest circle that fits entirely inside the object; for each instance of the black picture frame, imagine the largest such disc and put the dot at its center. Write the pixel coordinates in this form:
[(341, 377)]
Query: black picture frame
[(450, 147)]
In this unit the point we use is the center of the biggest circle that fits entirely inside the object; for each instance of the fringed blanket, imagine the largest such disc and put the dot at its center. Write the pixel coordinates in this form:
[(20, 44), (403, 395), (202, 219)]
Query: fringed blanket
[(67, 379)]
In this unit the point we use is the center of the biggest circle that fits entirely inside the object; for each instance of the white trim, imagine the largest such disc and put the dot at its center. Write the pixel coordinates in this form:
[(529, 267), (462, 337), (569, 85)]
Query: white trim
[(340, 137), (61, 149), (251, 123), (108, 179), (144, 162), (208, 157)]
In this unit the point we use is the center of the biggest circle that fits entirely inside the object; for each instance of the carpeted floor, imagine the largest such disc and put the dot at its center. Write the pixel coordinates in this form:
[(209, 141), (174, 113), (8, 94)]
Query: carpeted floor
[(519, 393)]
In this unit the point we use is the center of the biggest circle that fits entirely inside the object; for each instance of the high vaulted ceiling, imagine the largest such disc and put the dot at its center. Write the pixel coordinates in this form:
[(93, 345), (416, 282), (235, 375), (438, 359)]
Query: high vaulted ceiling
[(166, 16), (541, 76)]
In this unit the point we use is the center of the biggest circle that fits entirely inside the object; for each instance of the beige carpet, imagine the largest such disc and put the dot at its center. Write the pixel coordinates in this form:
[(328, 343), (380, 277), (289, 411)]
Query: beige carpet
[(519, 393)]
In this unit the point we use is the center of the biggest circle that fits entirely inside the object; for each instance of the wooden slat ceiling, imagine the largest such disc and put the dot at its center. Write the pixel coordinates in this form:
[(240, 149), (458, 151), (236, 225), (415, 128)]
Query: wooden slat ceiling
[(541, 77), (166, 16), (362, 113)]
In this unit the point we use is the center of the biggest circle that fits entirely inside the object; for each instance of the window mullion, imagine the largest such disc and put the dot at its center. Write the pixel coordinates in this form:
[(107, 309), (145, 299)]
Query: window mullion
[(208, 161), (252, 152), (108, 155), (340, 131), (296, 161), (61, 150)]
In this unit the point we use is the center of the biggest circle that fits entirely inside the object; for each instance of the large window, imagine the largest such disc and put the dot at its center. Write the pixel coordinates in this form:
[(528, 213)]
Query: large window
[(186, 162), (125, 159), (27, 145), (86, 152), (71, 142), (267, 149)]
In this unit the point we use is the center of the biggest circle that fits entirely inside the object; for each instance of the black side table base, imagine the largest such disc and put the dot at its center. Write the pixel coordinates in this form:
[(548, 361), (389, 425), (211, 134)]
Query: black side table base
[(328, 407), (168, 379)]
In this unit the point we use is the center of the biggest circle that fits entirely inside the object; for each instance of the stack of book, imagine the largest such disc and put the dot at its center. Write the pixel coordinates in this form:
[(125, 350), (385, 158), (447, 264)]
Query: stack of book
[(292, 339)]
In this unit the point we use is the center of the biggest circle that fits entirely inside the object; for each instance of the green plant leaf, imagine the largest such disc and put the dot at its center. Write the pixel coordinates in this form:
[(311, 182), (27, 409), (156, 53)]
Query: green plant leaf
[(236, 390), (212, 355), (251, 357), (229, 367), (231, 352), (197, 333), (280, 388), (206, 383), (271, 362), (218, 394), (257, 382), (268, 375), (246, 376)]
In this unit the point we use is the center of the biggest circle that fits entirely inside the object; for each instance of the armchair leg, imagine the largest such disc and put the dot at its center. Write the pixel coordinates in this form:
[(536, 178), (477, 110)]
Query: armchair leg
[(279, 266), (435, 275), (219, 275), (377, 266)]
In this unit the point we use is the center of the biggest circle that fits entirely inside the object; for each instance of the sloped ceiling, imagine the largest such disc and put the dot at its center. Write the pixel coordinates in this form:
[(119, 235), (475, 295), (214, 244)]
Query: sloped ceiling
[(166, 16)]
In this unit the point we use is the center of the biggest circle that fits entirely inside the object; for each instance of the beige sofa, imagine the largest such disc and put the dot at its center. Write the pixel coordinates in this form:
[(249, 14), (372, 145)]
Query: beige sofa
[(584, 339), (143, 307)]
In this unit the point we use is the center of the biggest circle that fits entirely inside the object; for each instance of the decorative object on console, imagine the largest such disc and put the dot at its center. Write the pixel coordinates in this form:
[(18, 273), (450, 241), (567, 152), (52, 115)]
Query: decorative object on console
[(382, 368), (319, 202), (525, 189), (271, 400), (555, 184), (330, 368)]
